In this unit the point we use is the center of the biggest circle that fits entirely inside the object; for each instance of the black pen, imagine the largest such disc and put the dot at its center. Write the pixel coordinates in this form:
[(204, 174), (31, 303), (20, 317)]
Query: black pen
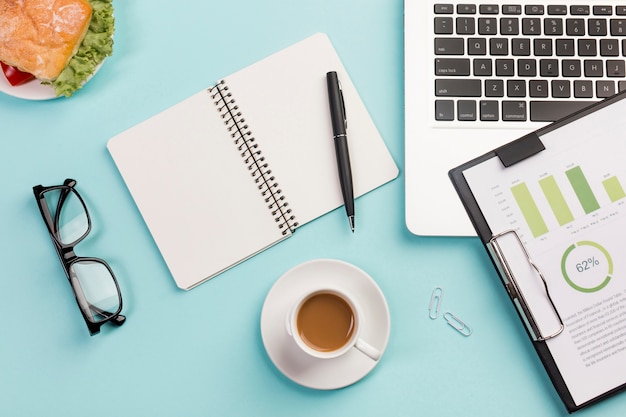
[(340, 124)]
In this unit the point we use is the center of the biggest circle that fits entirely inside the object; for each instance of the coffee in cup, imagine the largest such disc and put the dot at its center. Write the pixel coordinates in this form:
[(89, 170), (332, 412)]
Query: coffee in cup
[(326, 324)]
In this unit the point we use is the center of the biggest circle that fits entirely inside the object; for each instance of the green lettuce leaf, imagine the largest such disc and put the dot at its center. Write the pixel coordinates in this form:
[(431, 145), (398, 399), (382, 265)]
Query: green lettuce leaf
[(97, 45)]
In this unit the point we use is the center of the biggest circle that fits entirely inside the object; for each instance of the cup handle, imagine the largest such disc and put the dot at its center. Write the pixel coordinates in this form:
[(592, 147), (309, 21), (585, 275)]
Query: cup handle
[(367, 349)]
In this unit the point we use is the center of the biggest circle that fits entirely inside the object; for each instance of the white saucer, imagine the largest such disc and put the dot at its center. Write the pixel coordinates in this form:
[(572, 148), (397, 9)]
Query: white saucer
[(324, 374)]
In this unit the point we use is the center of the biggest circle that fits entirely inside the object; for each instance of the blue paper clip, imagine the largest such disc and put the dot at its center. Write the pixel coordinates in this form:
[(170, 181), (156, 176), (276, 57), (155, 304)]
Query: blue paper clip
[(435, 303), (457, 324)]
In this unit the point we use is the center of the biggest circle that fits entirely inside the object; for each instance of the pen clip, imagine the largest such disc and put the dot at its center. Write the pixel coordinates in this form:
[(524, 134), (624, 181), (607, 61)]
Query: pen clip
[(343, 105)]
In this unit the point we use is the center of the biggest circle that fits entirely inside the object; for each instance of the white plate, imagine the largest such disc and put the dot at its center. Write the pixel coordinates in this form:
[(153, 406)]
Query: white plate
[(324, 374), (32, 90)]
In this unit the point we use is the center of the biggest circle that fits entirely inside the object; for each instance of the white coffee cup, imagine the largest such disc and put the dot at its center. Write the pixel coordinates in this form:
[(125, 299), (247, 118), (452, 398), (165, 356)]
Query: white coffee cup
[(326, 323)]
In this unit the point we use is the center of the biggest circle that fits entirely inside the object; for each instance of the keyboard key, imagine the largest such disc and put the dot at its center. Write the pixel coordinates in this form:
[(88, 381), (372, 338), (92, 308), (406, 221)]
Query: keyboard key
[(465, 26), (505, 67), (449, 46), (597, 27), (514, 111), (444, 9), (579, 10), (482, 67), (531, 27), (477, 46), (620, 10), (549, 67), (509, 26), (527, 68), (538, 88), (466, 9), (571, 68), (520, 46), (621, 86), (444, 26), (561, 89), (565, 47), (487, 26), (489, 9), (553, 26), (605, 89), (498, 46), (494, 88), (534, 9), (542, 47), (583, 89), (587, 47), (575, 27), (618, 27), (444, 110), (552, 110), (452, 66), (593, 68), (615, 68), (609, 47), (466, 110), (512, 9), (602, 10), (516, 88), (489, 111), (557, 10), (457, 88)]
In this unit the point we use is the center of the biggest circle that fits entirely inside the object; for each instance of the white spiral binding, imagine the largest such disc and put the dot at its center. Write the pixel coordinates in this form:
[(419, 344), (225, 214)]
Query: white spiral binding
[(252, 157)]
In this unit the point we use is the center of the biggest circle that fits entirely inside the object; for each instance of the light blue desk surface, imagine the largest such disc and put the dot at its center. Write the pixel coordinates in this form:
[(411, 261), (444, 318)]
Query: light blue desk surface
[(200, 353)]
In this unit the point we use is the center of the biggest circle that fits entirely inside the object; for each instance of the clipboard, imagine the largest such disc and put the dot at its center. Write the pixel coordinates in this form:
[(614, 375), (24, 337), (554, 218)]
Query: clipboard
[(547, 208)]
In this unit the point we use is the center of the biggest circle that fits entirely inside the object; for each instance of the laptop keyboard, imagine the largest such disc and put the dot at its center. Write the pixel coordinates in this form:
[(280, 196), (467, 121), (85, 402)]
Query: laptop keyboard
[(519, 63)]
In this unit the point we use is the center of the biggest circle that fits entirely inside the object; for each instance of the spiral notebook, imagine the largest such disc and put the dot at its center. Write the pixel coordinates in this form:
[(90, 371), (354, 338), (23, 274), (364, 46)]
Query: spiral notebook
[(238, 167)]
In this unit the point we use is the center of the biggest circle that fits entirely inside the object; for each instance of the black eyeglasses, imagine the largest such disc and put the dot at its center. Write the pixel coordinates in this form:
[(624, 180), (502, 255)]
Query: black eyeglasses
[(95, 287)]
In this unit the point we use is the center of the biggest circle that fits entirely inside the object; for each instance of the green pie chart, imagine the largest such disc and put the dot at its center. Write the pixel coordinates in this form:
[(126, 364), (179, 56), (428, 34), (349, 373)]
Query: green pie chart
[(587, 266)]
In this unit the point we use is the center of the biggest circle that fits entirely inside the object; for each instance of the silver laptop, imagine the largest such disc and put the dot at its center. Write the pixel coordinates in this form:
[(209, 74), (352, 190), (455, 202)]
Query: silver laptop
[(478, 75)]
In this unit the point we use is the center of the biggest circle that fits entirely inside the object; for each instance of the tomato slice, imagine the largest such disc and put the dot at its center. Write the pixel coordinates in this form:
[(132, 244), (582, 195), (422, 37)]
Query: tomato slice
[(14, 76)]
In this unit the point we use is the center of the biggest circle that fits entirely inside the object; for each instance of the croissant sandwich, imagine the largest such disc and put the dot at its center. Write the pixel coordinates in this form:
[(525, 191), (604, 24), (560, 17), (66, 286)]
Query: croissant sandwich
[(59, 42)]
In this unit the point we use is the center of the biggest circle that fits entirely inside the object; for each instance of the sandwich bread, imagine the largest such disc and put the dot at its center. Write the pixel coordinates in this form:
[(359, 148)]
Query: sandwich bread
[(41, 36)]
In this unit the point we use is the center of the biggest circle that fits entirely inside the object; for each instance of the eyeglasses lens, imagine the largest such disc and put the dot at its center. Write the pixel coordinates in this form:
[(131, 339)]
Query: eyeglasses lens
[(71, 222), (95, 289)]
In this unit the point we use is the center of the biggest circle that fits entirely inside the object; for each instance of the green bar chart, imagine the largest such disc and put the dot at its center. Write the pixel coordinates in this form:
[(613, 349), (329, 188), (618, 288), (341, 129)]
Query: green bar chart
[(582, 189), (557, 201), (529, 209), (613, 189), (565, 195)]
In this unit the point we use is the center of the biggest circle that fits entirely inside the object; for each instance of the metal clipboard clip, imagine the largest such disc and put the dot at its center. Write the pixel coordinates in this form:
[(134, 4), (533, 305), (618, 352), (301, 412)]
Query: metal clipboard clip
[(516, 294)]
